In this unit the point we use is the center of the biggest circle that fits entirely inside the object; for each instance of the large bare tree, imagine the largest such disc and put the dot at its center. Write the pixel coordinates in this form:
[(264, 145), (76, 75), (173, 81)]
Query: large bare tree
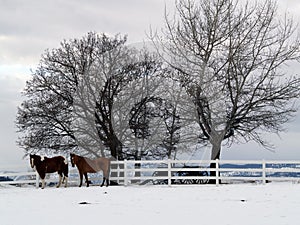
[(231, 57), (57, 99), (76, 98)]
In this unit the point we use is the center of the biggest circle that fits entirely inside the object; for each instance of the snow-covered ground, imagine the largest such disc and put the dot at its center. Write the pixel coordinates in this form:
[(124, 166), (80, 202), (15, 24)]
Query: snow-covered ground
[(240, 204)]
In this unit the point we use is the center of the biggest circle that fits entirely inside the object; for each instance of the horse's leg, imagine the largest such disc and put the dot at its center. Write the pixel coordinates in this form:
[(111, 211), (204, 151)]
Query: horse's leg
[(60, 178), (65, 173), (107, 177), (65, 180), (86, 179), (42, 176), (104, 178), (43, 183), (81, 177), (107, 181)]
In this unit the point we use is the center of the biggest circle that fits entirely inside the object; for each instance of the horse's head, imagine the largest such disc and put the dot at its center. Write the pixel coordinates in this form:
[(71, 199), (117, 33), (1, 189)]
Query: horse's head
[(72, 156), (34, 159)]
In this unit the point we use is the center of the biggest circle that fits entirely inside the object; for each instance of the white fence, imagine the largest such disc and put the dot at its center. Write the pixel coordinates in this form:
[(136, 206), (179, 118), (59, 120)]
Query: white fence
[(227, 171), (172, 172)]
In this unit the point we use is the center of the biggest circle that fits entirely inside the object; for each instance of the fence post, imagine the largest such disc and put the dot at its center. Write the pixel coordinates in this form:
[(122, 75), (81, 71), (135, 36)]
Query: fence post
[(169, 173), (217, 172), (37, 180), (264, 171), (125, 173), (118, 173)]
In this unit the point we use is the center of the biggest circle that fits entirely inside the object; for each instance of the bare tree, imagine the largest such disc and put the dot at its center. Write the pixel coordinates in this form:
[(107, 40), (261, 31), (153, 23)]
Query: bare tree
[(139, 110), (50, 115), (95, 97), (152, 123), (76, 97), (231, 60)]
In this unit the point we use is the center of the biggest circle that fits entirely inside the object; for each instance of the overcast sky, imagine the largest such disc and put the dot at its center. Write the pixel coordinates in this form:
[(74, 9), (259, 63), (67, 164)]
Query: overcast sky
[(28, 27)]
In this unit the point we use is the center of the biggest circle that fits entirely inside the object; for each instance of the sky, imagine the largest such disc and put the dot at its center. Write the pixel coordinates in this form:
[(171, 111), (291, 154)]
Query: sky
[(29, 27)]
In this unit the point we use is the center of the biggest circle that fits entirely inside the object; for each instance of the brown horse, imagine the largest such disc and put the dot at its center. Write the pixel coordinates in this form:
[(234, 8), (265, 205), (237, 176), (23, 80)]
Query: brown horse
[(86, 165), (45, 165)]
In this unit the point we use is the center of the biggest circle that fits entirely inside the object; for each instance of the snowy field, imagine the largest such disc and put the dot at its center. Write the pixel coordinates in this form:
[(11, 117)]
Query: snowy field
[(240, 204)]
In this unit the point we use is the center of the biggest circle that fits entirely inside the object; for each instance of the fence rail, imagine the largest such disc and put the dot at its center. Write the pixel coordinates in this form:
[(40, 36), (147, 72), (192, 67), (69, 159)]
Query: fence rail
[(172, 172)]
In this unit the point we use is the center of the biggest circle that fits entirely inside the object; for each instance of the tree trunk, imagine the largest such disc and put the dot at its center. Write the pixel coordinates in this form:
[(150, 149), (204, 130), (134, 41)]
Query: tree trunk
[(215, 154), (115, 147), (137, 166)]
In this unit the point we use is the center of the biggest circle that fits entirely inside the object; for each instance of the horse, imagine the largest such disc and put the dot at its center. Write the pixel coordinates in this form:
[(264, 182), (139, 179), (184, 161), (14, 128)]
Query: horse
[(86, 165), (45, 165)]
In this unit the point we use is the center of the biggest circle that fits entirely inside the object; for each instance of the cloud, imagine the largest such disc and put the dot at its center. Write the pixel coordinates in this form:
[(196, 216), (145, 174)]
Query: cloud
[(290, 6), (29, 27), (10, 98)]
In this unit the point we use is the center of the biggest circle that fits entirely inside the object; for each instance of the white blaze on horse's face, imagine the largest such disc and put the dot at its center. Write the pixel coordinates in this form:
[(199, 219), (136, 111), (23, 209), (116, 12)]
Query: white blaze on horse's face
[(66, 161), (42, 158)]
